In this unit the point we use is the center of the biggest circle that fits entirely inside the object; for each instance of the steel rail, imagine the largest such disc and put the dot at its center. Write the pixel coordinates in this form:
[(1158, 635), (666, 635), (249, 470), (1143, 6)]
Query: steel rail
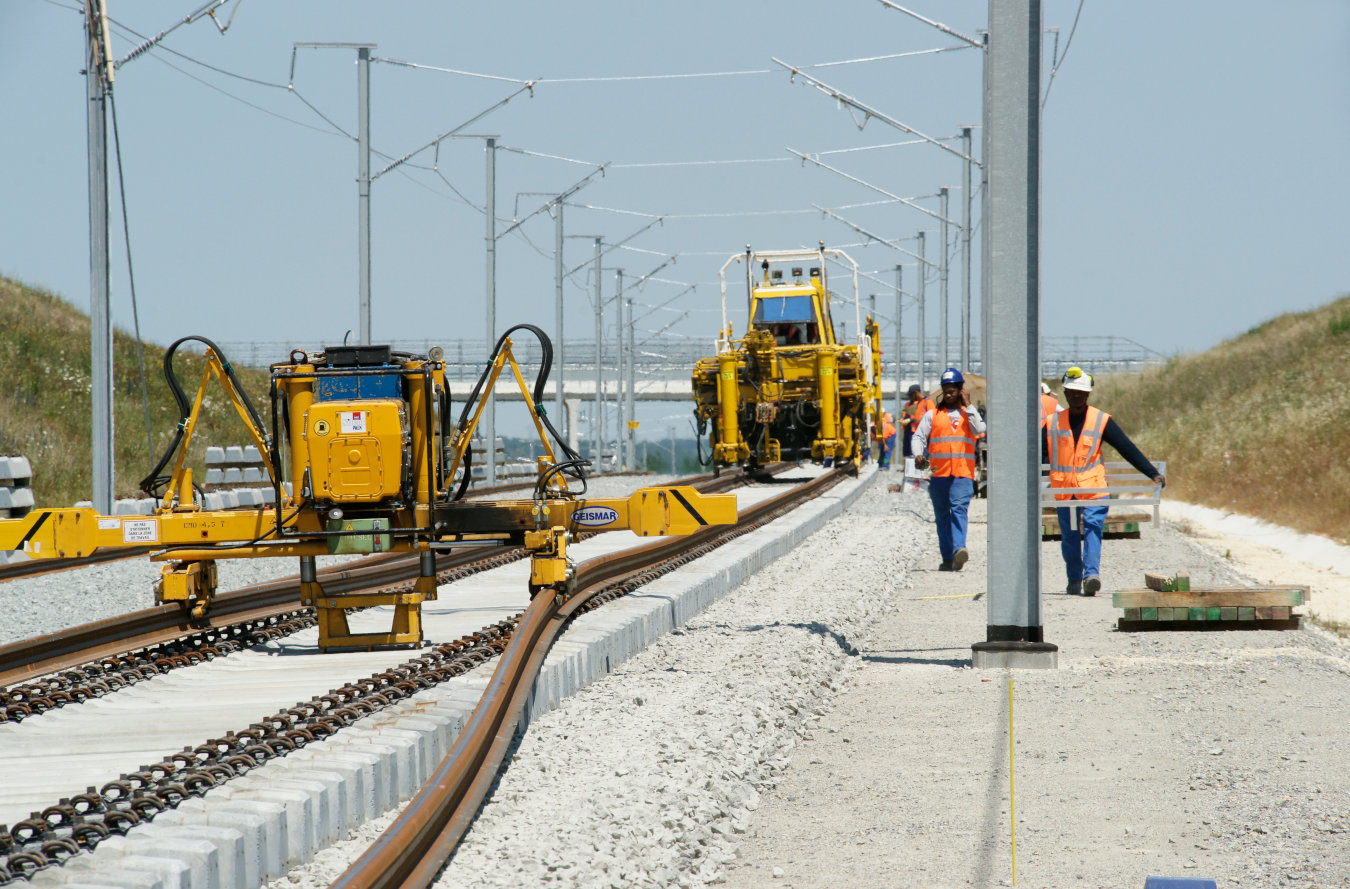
[(28, 659), (412, 850)]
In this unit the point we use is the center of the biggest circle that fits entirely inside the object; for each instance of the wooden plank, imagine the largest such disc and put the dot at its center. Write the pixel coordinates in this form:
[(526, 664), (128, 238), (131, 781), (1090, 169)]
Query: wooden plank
[(1197, 613), (1148, 613), (1136, 626), (1287, 596), (1246, 613), (1132, 614), (1228, 612), (1168, 583)]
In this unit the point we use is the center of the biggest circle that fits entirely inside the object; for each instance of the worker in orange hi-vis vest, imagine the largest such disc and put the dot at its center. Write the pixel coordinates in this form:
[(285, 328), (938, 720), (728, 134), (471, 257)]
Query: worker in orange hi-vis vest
[(1049, 404), (946, 440), (885, 442), (1073, 448), (911, 414)]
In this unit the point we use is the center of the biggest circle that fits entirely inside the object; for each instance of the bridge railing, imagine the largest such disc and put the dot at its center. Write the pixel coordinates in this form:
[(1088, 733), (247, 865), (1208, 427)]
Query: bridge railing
[(674, 358)]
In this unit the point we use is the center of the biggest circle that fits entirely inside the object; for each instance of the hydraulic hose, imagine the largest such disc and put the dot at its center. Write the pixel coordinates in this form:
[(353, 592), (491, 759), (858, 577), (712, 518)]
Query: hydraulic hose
[(151, 482), (575, 462)]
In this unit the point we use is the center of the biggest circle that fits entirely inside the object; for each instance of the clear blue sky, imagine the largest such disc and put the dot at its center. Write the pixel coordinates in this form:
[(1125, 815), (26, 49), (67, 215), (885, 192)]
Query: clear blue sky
[(1193, 178)]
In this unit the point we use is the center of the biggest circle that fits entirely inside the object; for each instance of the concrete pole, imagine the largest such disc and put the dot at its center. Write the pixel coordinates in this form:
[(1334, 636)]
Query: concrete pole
[(363, 186), (673, 467), (559, 350), (923, 345), (965, 253), (100, 316), (490, 411), (1014, 635), (619, 404), (596, 426), (632, 382), (899, 294), (942, 269)]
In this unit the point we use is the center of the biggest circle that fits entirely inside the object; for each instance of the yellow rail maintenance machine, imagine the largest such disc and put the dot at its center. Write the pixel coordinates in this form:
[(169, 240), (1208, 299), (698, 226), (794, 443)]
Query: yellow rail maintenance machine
[(363, 457), (792, 388)]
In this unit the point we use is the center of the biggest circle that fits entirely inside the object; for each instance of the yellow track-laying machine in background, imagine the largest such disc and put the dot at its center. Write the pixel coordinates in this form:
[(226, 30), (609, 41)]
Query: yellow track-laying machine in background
[(791, 388), (364, 457)]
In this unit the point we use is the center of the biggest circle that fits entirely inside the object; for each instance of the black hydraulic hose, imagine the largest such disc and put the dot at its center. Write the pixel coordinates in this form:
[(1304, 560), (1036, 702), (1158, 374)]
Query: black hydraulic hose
[(545, 365), (151, 482)]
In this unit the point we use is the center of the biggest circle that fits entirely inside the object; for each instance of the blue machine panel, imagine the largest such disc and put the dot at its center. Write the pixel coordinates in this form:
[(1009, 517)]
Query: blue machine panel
[(333, 387)]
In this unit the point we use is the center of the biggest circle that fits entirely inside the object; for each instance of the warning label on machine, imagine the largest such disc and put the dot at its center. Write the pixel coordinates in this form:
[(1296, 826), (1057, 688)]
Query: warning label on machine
[(140, 531), (352, 422)]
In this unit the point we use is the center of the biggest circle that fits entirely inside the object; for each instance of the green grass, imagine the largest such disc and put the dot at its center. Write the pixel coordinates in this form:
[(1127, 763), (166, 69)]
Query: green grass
[(45, 398), (1259, 424)]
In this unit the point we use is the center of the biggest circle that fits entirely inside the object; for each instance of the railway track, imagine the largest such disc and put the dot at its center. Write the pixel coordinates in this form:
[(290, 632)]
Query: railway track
[(78, 822)]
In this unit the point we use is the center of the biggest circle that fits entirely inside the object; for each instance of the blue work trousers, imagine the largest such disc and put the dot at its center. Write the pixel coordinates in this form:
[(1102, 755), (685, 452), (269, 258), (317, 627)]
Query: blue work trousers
[(951, 497), (886, 451), (1082, 544)]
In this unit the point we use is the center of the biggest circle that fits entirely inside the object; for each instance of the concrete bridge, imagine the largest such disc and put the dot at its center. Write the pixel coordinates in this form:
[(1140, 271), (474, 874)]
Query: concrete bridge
[(662, 370)]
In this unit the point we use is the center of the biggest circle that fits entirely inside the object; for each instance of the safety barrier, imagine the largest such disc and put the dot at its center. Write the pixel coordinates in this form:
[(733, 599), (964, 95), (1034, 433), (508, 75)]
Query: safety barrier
[(16, 496)]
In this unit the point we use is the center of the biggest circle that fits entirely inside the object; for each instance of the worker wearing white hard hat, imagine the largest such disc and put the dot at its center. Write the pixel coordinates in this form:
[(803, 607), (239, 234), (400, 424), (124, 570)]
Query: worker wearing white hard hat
[(1073, 448)]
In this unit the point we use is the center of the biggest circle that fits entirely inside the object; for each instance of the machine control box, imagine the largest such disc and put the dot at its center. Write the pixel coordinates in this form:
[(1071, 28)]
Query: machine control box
[(357, 449)]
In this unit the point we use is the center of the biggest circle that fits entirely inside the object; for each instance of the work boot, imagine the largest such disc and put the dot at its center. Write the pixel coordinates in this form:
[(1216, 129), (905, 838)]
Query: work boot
[(946, 565), (1091, 585), (959, 558), (1075, 588)]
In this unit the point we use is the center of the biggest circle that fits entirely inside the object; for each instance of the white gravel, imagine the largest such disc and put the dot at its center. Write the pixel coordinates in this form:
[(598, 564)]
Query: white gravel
[(821, 727)]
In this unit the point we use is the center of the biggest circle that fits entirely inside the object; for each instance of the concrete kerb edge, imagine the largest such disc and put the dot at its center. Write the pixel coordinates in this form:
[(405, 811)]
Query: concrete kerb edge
[(592, 647)]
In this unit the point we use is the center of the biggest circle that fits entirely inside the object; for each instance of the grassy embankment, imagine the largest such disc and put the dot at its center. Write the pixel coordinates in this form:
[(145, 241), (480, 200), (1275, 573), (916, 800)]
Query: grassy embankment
[(45, 401), (1259, 425)]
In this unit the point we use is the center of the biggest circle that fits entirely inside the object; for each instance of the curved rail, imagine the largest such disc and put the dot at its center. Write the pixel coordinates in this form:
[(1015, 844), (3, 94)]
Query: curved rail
[(410, 853), (28, 659)]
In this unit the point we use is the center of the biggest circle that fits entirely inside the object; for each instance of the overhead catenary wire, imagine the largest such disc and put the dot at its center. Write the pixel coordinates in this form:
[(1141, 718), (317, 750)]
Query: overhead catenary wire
[(1045, 96), (131, 274)]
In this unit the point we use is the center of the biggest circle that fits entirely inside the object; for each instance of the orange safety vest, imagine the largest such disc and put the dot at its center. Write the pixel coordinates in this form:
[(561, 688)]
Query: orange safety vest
[(887, 427), (951, 448), (915, 411), (1077, 465), (1049, 406)]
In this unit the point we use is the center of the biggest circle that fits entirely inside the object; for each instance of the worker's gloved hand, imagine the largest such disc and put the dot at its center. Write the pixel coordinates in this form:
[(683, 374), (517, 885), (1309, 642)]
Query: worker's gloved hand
[(1160, 480), (921, 462)]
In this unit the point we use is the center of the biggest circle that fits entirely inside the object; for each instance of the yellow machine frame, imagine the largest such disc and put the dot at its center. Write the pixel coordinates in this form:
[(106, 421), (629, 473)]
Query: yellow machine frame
[(781, 364), (390, 474)]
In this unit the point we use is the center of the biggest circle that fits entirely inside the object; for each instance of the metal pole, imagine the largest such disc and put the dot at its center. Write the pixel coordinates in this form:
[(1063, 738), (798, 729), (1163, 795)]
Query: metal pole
[(1014, 635), (899, 403), (942, 268), (673, 467), (599, 379), (559, 350), (632, 381), (100, 327), (965, 254), (923, 345), (620, 407), (490, 411), (363, 185)]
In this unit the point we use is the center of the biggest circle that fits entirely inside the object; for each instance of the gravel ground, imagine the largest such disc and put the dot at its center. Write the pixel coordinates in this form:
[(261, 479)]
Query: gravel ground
[(34, 606), (822, 727)]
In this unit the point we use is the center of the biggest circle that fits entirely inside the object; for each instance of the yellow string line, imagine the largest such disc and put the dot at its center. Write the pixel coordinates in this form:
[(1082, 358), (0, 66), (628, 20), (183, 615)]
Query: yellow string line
[(957, 596), (1012, 798)]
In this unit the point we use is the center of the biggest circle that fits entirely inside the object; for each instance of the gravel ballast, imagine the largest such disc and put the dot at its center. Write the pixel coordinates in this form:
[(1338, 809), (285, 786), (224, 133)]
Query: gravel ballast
[(821, 726)]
